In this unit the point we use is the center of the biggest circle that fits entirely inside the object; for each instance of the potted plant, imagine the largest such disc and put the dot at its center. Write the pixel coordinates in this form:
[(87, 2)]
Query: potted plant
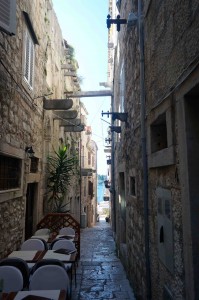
[(61, 168)]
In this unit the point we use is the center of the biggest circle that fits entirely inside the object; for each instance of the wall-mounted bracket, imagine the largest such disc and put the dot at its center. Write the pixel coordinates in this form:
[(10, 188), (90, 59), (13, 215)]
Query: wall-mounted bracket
[(116, 115), (108, 140), (117, 21)]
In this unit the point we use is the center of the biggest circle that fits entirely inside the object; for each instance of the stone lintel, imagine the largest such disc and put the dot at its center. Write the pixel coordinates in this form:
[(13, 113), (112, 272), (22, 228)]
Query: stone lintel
[(57, 104), (70, 114), (101, 93)]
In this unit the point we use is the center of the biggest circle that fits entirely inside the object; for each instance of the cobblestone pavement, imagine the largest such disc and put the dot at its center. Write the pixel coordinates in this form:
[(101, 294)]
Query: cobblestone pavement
[(100, 274)]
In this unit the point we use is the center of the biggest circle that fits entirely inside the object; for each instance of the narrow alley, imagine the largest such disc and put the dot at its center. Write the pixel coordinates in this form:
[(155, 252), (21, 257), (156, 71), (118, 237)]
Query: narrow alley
[(100, 274)]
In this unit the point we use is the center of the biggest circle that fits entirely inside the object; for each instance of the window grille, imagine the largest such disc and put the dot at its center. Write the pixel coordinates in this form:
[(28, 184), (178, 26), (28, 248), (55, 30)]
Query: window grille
[(29, 59), (10, 172)]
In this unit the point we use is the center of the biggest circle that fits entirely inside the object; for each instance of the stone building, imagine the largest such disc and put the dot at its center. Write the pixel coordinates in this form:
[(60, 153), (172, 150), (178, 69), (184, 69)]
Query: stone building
[(155, 157), (37, 71), (88, 178)]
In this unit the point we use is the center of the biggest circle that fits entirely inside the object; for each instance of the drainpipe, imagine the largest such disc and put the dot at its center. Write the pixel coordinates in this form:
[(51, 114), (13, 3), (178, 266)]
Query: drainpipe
[(113, 172), (80, 179), (144, 148)]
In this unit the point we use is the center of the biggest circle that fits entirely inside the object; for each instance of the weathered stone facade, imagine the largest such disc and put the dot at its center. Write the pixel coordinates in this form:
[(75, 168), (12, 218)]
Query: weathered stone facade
[(36, 64), (156, 199)]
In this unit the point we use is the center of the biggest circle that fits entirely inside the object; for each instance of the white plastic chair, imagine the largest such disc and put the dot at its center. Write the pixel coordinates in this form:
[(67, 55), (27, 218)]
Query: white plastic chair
[(68, 245), (34, 244), (12, 279), (49, 277), (62, 243), (42, 231), (67, 230), (20, 264)]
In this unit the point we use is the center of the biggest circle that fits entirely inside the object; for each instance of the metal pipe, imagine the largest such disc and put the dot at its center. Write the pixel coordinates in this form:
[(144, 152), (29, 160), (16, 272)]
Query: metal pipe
[(144, 151), (113, 173)]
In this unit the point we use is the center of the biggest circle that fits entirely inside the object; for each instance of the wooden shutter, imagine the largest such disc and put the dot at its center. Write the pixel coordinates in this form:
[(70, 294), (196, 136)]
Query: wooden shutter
[(8, 16)]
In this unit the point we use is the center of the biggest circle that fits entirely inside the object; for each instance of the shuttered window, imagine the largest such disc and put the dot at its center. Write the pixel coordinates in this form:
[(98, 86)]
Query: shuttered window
[(8, 16), (29, 59)]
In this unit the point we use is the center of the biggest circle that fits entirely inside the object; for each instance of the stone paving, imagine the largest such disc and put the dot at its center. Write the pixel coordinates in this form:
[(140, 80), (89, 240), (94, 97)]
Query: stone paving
[(100, 274)]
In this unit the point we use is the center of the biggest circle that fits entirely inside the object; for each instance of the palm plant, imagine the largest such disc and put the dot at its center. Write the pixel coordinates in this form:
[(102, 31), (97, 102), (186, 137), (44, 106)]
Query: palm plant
[(61, 168)]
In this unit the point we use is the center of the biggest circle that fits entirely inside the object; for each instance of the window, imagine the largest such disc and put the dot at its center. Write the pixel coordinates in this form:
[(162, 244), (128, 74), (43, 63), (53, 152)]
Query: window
[(132, 189), (8, 16), (122, 88), (159, 134), (29, 59), (29, 50), (10, 172)]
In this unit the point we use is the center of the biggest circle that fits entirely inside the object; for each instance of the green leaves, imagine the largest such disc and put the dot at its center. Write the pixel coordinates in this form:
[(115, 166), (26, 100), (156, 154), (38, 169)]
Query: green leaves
[(61, 168)]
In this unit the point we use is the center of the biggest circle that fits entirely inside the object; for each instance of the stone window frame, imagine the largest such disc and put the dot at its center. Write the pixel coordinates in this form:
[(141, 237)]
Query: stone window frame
[(8, 150), (8, 17), (166, 155)]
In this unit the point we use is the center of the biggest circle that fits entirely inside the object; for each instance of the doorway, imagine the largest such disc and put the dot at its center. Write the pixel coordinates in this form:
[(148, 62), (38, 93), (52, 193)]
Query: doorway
[(30, 199), (192, 147)]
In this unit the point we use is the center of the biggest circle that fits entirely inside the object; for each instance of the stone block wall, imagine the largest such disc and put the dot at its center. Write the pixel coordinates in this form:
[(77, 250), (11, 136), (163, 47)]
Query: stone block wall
[(23, 121), (171, 48)]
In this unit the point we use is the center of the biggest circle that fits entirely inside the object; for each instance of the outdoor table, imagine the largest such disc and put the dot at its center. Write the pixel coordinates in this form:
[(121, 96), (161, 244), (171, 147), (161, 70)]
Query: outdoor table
[(36, 295), (28, 255), (34, 255)]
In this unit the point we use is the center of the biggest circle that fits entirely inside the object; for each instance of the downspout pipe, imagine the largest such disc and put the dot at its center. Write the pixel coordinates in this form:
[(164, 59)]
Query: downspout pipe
[(144, 149), (113, 173)]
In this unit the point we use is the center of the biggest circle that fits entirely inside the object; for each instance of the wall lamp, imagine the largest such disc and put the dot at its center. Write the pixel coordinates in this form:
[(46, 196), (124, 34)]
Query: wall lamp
[(29, 151), (131, 21)]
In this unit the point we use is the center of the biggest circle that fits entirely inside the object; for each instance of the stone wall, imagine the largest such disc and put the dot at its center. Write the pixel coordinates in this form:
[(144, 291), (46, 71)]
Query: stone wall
[(23, 120), (171, 50)]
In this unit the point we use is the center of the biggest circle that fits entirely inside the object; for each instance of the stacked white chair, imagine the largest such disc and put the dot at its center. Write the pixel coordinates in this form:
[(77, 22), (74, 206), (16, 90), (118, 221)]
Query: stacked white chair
[(67, 230)]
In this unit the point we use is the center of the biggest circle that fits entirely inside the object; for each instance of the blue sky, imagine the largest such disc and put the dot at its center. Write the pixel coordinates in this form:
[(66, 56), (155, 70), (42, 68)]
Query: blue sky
[(83, 24)]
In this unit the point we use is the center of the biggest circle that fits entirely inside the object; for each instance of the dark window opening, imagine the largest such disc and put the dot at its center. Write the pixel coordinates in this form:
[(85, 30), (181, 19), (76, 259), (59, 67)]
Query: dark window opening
[(159, 134), (132, 186), (10, 172)]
